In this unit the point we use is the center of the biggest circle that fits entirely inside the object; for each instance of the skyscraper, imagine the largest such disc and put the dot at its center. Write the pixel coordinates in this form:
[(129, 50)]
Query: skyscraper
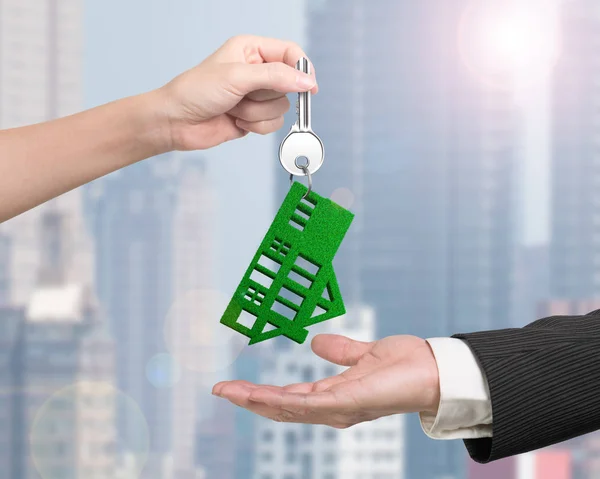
[(369, 450), (193, 274), (41, 79), (57, 366), (425, 153), (575, 219), (11, 322), (131, 213), (5, 257)]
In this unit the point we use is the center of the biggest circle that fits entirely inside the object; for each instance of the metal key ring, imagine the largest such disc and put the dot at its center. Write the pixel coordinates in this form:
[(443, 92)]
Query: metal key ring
[(306, 171)]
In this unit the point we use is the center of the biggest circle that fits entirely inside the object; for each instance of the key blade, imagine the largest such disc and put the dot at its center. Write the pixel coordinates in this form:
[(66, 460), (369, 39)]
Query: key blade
[(303, 102)]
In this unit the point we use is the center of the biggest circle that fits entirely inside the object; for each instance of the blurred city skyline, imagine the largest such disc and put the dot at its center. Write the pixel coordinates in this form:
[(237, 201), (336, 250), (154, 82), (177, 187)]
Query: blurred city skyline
[(460, 135)]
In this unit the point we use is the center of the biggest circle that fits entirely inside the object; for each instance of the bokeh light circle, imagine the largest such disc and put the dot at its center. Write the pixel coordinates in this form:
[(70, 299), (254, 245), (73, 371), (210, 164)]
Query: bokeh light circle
[(194, 335), (163, 371), (79, 422), (343, 197)]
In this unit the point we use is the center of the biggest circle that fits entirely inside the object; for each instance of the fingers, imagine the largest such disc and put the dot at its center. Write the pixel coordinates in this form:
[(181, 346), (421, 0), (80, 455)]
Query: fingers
[(243, 78), (326, 383), (261, 127), (283, 399), (238, 392), (252, 111), (295, 403), (339, 349), (264, 95), (258, 49), (261, 117)]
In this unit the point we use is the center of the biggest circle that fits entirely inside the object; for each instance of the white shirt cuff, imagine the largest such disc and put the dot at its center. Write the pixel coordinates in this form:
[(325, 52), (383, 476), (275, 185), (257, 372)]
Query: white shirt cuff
[(465, 410)]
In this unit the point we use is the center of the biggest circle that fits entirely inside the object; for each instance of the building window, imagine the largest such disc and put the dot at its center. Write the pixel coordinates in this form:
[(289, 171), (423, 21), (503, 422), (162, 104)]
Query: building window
[(308, 374), (307, 466), (267, 456), (291, 444)]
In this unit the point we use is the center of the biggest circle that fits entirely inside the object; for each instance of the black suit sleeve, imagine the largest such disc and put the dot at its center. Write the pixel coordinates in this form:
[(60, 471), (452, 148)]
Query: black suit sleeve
[(544, 382)]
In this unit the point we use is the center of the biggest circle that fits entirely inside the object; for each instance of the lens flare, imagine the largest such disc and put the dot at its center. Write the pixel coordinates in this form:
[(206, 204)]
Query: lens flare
[(343, 197), (502, 43), (163, 371), (75, 431)]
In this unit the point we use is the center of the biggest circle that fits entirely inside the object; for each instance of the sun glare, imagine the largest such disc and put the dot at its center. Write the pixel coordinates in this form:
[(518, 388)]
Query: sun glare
[(500, 42)]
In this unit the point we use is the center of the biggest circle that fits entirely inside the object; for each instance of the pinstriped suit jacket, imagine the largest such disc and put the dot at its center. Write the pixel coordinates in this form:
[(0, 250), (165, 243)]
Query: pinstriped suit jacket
[(544, 382)]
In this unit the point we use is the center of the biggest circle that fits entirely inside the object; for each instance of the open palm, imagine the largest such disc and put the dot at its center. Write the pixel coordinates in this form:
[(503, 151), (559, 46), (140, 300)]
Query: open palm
[(394, 375)]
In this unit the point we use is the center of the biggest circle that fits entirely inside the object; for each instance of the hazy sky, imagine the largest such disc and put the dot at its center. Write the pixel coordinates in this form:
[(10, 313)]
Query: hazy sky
[(137, 45), (534, 100)]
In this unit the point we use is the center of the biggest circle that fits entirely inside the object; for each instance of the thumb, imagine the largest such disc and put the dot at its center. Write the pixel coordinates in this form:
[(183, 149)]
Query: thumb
[(245, 78), (339, 349)]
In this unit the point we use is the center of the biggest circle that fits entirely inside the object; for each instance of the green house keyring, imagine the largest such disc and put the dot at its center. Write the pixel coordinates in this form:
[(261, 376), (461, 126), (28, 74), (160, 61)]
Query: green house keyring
[(290, 283)]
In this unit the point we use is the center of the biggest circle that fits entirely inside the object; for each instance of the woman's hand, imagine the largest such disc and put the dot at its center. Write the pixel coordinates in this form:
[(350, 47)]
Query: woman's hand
[(240, 88), (395, 375)]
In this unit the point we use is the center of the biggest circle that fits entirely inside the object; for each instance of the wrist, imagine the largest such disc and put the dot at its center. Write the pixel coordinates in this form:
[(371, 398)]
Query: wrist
[(155, 121), (432, 390)]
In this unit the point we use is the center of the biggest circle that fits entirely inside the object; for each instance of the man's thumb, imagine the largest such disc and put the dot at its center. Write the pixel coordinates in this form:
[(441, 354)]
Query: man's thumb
[(339, 349)]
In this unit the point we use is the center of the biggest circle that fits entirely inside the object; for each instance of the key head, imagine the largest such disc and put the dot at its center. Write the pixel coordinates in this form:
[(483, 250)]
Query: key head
[(299, 144)]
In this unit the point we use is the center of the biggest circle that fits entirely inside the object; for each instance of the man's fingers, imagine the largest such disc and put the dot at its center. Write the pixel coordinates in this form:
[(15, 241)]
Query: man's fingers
[(243, 78), (237, 385), (339, 349), (326, 383), (290, 400), (299, 388)]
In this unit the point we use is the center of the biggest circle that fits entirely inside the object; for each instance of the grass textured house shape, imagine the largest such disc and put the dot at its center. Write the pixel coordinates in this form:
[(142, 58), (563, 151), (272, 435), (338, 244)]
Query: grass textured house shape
[(290, 284)]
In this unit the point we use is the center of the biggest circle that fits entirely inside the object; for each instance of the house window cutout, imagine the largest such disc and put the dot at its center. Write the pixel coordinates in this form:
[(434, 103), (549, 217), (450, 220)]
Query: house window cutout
[(247, 319), (298, 222), (302, 215), (269, 264), (301, 280), (261, 278), (281, 247), (268, 328), (291, 296), (307, 265), (306, 204), (284, 309), (318, 312), (254, 296)]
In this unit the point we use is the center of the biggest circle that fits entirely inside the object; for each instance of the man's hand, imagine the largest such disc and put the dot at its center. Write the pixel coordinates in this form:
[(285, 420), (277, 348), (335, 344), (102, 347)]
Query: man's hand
[(395, 375), (240, 88)]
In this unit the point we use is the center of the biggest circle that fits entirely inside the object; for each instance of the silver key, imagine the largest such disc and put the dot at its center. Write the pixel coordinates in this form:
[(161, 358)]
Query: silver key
[(301, 141)]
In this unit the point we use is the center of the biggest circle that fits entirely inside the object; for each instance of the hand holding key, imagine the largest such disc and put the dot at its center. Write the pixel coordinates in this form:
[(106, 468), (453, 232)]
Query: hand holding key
[(240, 88)]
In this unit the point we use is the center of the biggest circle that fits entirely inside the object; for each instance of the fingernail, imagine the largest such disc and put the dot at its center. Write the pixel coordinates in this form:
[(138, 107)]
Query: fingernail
[(306, 82)]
